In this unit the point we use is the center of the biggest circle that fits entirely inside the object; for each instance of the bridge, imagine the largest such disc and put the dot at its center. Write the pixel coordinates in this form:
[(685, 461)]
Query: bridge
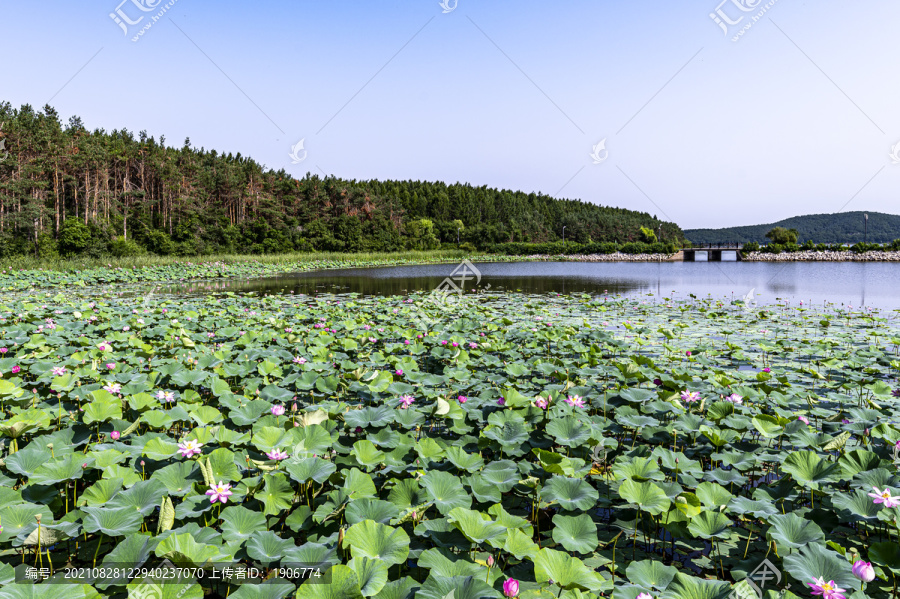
[(713, 251)]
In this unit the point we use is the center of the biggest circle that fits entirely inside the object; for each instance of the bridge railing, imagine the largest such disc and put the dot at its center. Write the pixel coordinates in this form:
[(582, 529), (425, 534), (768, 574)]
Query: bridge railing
[(713, 246)]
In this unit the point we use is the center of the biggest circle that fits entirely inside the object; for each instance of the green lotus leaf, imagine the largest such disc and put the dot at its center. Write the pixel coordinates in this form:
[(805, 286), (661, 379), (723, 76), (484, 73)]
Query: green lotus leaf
[(576, 533), (443, 562), (306, 469), (277, 494), (456, 587), (17, 519), (371, 574), (477, 527), (183, 550), (178, 478), (371, 509), (377, 541), (113, 522), (650, 574), (887, 554), (358, 484), (815, 561), (794, 532), (101, 492), (367, 454), (267, 547), (446, 491), (858, 460), (646, 495), (59, 470), (143, 497), (713, 495), (708, 525), (808, 468), (689, 587), (638, 469), (566, 571), (273, 588), (239, 523)]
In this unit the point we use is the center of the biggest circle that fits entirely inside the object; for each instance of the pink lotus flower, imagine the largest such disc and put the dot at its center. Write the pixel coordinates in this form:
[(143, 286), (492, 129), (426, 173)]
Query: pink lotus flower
[(473, 346), (277, 410), (575, 401), (501, 401), (511, 587), (190, 448), (398, 372), (444, 342), (165, 396), (542, 403), (59, 371), (688, 354), (219, 492), (3, 350), (767, 370), (828, 590), (462, 399), (406, 401), (885, 498), (16, 370), (644, 596), (104, 346), (115, 435), (803, 419), (277, 455), (113, 388), (735, 399), (299, 360), (690, 396), (864, 571)]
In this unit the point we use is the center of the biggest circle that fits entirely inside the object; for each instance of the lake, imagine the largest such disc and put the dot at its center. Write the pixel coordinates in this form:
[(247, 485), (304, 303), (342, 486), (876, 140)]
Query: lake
[(849, 283)]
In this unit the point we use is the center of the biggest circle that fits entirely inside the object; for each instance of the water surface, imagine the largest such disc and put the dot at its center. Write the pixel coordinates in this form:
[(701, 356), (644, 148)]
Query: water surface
[(874, 284)]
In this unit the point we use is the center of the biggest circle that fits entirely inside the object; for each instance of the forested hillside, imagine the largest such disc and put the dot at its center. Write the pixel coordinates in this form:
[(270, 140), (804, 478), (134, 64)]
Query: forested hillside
[(73, 191), (844, 227)]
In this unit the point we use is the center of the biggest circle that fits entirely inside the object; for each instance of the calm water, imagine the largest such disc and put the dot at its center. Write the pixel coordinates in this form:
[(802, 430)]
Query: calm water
[(851, 283)]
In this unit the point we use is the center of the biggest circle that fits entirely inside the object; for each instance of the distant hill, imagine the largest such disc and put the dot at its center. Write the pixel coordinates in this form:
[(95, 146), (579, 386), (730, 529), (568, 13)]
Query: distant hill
[(845, 227)]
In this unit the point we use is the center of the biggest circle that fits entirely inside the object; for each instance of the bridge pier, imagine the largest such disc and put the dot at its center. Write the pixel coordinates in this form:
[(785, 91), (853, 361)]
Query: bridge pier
[(714, 254)]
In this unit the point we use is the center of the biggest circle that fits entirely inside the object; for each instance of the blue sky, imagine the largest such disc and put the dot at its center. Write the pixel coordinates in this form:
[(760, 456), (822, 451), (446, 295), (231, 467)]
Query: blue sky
[(797, 116)]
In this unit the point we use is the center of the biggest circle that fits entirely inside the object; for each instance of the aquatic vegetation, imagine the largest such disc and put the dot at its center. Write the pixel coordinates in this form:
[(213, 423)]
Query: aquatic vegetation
[(523, 446)]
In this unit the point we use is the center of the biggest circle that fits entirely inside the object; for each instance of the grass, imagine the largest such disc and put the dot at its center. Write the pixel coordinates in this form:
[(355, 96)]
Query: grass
[(150, 260)]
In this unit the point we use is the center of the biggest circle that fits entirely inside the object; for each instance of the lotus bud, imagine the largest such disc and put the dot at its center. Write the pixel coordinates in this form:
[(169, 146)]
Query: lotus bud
[(490, 561), (864, 571)]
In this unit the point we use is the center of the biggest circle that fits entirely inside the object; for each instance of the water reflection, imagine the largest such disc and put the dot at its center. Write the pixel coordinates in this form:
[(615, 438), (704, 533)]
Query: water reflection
[(855, 283)]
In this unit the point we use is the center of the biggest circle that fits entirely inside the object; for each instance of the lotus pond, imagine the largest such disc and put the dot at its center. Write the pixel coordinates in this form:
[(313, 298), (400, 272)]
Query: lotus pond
[(524, 445)]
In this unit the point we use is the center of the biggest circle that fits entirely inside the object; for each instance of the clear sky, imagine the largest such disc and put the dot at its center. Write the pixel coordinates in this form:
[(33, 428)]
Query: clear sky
[(797, 116)]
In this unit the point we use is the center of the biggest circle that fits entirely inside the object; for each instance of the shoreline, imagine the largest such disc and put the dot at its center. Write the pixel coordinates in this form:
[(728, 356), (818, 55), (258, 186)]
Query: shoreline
[(805, 256)]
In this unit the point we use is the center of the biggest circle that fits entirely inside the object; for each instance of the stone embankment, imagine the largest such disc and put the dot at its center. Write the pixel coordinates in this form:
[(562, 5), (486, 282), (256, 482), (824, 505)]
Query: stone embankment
[(814, 256), (616, 257)]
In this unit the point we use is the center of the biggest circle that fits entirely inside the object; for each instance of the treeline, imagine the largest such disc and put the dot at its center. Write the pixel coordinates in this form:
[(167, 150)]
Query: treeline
[(844, 227), (68, 190)]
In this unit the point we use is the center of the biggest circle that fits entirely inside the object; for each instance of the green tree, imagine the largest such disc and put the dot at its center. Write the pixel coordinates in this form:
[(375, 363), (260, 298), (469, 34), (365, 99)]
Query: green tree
[(782, 236)]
